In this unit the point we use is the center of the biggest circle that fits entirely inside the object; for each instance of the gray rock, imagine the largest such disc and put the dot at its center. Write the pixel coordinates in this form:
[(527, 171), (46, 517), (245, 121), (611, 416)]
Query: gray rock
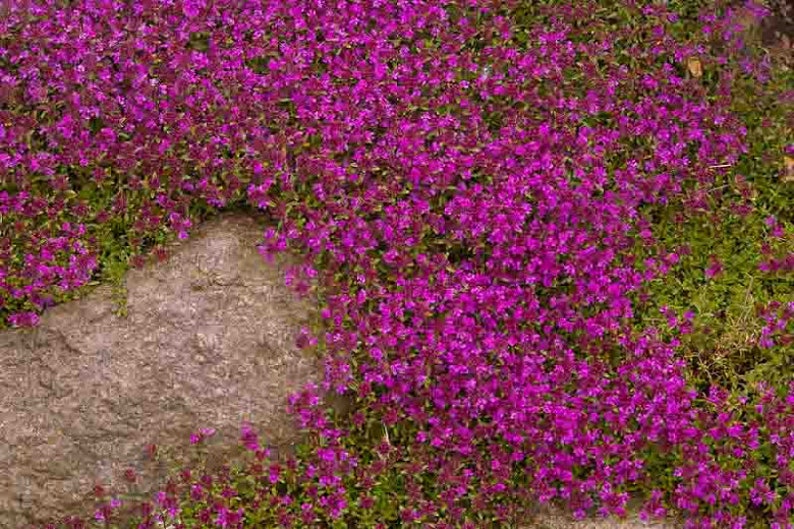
[(208, 341), (548, 517)]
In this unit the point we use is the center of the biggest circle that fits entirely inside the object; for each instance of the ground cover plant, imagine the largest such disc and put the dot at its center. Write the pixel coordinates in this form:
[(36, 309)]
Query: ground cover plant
[(552, 240)]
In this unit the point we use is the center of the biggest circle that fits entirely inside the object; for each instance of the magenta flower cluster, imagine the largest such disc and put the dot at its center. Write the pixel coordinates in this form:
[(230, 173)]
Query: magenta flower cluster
[(470, 193)]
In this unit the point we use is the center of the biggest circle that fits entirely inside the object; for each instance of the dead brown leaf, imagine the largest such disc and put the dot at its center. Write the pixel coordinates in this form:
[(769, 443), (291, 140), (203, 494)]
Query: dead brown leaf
[(695, 67), (788, 169)]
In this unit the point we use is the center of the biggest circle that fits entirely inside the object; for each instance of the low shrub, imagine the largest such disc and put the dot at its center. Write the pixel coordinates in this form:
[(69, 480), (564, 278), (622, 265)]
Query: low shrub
[(496, 200)]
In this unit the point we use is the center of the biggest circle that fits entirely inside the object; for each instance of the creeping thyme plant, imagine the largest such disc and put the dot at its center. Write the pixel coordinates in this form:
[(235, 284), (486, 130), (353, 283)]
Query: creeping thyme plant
[(552, 243)]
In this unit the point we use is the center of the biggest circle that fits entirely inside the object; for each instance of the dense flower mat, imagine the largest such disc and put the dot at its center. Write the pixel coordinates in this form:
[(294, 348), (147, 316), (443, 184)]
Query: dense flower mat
[(495, 200)]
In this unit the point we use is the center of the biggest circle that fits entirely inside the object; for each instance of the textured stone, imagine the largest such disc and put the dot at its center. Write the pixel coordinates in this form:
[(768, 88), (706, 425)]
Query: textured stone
[(547, 517), (774, 32), (208, 341)]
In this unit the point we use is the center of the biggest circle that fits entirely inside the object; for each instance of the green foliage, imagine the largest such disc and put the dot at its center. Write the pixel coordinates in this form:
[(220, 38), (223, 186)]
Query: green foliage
[(724, 349)]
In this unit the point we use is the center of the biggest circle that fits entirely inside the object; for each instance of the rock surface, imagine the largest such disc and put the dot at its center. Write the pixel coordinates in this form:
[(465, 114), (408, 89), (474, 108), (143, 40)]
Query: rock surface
[(551, 518), (208, 341)]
